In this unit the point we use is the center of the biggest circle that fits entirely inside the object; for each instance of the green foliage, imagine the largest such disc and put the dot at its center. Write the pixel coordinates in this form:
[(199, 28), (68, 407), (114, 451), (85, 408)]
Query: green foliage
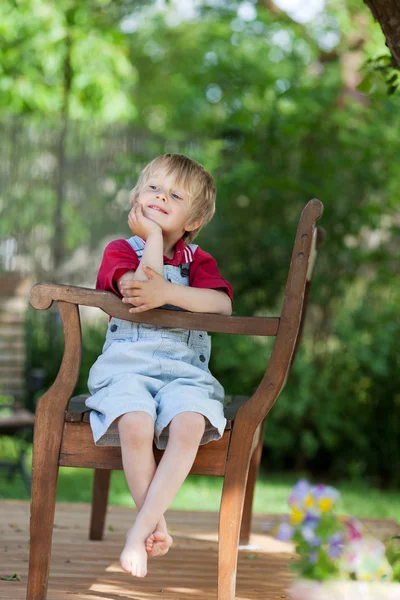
[(378, 71), (343, 393), (47, 46), (262, 103), (13, 577), (46, 345), (393, 555), (324, 569)]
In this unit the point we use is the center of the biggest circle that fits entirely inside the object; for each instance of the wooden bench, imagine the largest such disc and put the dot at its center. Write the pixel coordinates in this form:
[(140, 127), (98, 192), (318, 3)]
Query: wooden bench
[(63, 437)]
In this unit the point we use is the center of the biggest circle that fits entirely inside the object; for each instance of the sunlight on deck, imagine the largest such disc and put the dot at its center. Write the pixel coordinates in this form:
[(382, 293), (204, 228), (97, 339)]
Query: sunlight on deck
[(88, 570)]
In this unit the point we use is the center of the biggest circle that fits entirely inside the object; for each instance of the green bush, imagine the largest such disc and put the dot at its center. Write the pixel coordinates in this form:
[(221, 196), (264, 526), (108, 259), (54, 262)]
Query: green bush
[(45, 342), (339, 411)]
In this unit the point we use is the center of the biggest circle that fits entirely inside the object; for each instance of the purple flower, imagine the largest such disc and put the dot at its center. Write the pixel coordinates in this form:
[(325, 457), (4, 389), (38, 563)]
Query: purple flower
[(335, 548), (299, 492), (337, 538), (319, 490), (285, 532), (325, 497), (311, 519), (313, 557), (309, 536)]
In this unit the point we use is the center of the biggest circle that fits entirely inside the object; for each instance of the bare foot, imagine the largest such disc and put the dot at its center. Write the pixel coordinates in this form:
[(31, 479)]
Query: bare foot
[(133, 558), (158, 543)]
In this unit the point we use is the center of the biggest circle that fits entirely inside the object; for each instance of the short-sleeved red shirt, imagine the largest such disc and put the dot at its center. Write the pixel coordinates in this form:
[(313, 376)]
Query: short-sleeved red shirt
[(119, 257)]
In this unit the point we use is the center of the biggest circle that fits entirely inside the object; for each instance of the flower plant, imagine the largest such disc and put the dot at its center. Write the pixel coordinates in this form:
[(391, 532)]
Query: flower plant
[(330, 547)]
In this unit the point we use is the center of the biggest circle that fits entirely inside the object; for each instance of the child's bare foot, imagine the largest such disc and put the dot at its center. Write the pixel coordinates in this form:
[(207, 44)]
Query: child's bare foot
[(133, 558), (158, 543)]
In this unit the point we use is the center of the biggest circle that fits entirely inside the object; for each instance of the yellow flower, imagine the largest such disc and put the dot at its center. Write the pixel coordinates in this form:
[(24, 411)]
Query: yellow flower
[(364, 576), (309, 501), (296, 516), (381, 572), (325, 504)]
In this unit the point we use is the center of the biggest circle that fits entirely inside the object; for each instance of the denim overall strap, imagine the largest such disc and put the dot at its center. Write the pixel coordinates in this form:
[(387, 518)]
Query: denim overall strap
[(137, 243)]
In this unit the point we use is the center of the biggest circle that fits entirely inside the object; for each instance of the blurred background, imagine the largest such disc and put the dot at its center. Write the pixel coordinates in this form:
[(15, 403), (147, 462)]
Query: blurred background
[(282, 101)]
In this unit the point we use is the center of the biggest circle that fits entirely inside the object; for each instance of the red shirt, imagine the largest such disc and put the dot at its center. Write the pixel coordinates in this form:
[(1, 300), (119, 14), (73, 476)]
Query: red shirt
[(119, 257)]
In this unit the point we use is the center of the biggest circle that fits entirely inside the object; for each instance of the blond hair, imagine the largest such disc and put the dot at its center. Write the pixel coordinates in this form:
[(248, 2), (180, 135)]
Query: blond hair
[(196, 181)]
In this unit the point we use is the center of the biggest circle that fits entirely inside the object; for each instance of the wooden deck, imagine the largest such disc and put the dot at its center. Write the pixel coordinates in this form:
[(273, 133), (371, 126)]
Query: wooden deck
[(84, 570)]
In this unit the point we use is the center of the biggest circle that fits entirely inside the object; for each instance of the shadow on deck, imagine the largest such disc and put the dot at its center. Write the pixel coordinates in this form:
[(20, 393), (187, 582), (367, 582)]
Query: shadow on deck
[(84, 570)]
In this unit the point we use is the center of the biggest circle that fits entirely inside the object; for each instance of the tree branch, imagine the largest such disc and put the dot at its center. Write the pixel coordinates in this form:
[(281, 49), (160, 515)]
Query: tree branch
[(387, 13)]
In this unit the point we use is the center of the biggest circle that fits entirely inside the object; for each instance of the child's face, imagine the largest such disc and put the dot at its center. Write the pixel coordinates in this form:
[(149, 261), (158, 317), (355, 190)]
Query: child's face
[(166, 203)]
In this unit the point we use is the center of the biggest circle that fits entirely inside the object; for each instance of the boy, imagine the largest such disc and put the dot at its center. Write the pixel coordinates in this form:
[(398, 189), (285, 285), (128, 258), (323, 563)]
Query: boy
[(153, 382)]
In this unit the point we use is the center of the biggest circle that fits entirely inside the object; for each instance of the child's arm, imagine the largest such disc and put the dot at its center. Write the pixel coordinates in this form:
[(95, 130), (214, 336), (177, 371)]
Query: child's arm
[(200, 299), (156, 292), (153, 250)]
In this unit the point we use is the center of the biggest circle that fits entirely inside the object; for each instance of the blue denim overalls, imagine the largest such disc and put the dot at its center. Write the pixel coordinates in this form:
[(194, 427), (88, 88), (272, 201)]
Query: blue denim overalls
[(158, 370)]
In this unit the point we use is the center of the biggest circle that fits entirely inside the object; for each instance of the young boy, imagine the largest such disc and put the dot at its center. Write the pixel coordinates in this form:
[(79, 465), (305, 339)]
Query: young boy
[(153, 382)]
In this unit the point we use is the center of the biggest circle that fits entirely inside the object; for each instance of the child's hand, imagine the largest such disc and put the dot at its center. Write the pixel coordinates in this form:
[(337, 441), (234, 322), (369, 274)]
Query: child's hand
[(141, 225), (145, 295)]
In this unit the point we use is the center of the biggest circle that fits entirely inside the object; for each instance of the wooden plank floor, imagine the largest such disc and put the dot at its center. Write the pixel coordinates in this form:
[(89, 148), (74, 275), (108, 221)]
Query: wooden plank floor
[(84, 570)]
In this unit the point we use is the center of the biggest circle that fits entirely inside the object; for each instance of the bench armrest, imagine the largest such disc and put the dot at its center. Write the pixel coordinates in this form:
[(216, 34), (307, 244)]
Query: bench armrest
[(43, 294)]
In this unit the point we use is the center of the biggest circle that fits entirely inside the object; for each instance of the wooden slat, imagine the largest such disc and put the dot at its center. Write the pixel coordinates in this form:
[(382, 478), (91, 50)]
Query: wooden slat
[(7, 329), (8, 387), (11, 378), (49, 424), (11, 344), (11, 389), (75, 417), (18, 419), (78, 450), (87, 570), (11, 369), (232, 405), (77, 405), (12, 318), (11, 360), (43, 295)]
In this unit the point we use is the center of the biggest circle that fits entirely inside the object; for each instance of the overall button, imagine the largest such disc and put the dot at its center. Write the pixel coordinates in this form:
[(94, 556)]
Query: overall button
[(113, 327), (202, 358)]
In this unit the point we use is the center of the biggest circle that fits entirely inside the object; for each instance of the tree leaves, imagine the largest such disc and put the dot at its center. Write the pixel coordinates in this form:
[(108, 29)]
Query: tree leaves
[(13, 577)]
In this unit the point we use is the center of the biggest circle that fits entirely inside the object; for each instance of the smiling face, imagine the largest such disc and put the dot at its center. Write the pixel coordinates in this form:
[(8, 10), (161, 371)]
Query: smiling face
[(178, 194), (167, 203)]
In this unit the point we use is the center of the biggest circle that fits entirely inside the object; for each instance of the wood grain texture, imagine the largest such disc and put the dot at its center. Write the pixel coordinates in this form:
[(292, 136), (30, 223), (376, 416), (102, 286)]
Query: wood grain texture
[(101, 486), (87, 570), (252, 413), (78, 450), (232, 503), (43, 294), (67, 440), (49, 423), (254, 466)]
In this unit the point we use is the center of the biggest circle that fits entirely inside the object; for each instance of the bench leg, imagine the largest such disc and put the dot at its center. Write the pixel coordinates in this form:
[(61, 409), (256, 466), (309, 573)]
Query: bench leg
[(245, 529), (43, 502), (101, 485), (232, 502)]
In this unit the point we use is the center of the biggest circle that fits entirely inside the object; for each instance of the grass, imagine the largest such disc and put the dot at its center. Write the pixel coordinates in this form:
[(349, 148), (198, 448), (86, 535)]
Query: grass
[(203, 493)]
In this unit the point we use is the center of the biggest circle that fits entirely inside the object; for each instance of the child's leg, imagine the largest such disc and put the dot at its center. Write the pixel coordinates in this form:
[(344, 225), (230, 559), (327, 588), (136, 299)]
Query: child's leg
[(136, 430), (185, 433)]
